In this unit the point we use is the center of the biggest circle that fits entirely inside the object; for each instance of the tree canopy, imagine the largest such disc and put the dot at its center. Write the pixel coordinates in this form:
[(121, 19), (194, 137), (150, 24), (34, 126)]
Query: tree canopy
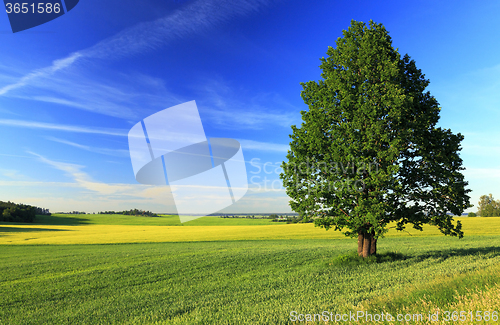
[(368, 151), (488, 207), (12, 212), (132, 212)]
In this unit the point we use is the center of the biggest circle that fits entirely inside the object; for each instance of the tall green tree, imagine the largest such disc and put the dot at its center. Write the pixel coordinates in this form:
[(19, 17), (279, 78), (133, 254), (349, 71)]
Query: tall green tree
[(488, 207), (368, 151)]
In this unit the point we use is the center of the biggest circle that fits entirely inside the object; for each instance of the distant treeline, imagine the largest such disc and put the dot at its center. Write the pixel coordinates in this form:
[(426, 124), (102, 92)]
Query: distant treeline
[(274, 217), (251, 215), (132, 212), (72, 212), (487, 207), (12, 212), (248, 216)]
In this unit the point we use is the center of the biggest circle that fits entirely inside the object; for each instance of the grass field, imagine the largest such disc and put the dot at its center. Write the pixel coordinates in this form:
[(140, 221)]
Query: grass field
[(163, 220), (212, 272), (106, 229)]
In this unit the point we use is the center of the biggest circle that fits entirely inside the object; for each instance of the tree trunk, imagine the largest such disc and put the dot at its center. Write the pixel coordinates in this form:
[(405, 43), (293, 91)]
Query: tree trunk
[(360, 243), (373, 245), (367, 245)]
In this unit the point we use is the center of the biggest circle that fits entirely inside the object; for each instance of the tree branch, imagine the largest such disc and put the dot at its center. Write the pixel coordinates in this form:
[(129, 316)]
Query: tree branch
[(345, 213)]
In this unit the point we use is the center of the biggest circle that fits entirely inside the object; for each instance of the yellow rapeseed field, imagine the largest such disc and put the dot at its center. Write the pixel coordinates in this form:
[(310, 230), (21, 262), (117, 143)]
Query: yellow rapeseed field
[(104, 234)]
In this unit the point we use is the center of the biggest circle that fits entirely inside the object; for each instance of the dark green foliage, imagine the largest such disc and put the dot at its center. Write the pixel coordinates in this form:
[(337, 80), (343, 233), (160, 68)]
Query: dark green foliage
[(12, 212), (132, 212), (72, 212), (42, 211), (368, 151), (108, 212), (136, 212), (471, 215), (488, 207)]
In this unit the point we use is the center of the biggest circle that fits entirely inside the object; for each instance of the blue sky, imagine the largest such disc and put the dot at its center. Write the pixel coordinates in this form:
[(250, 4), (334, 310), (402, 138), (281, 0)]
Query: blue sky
[(71, 89)]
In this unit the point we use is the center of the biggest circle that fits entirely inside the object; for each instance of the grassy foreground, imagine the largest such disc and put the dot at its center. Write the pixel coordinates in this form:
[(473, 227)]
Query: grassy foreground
[(163, 220), (238, 282), (230, 271), (113, 229)]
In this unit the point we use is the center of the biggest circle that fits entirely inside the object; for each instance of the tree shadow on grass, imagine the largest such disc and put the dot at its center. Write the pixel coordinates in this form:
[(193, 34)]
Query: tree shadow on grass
[(352, 259), (443, 254), (60, 221), (18, 229), (5, 230)]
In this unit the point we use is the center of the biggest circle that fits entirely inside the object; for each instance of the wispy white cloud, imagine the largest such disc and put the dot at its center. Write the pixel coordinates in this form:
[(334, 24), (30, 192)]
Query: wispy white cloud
[(33, 183), (104, 151), (17, 156), (263, 146), (491, 150), (234, 109), (249, 117), (122, 95), (82, 189), (262, 202), (43, 72), (83, 180), (193, 18), (71, 196), (107, 196), (473, 96), (482, 173), (62, 127), (78, 88), (246, 144), (13, 174)]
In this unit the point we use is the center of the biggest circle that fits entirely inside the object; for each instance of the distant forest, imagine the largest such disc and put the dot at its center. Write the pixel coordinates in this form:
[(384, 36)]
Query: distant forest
[(12, 212), (132, 212)]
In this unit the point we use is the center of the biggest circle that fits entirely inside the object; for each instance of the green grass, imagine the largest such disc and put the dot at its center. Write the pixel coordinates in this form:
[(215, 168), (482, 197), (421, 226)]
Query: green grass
[(233, 281), (106, 219), (163, 220), (352, 259), (442, 292), (216, 221), (237, 282)]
